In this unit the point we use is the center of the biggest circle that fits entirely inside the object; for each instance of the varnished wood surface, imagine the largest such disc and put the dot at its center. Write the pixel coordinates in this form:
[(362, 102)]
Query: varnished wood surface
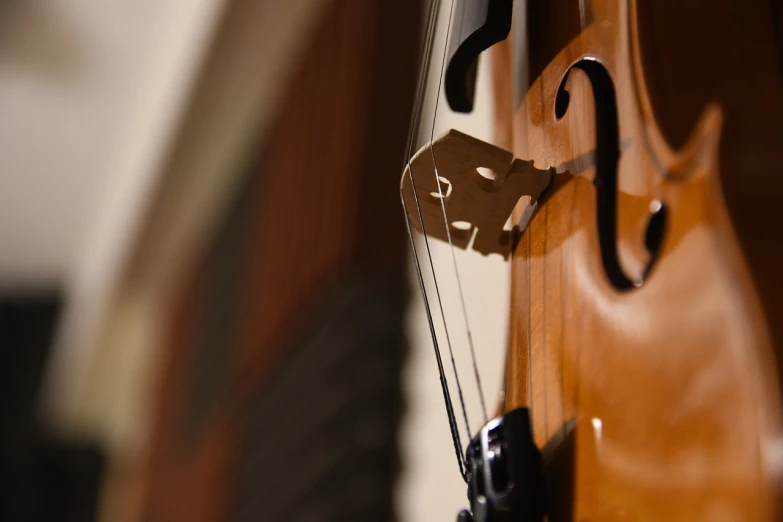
[(660, 402)]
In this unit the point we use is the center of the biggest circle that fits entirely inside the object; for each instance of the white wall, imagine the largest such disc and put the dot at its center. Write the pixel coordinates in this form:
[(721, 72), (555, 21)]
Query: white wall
[(89, 90)]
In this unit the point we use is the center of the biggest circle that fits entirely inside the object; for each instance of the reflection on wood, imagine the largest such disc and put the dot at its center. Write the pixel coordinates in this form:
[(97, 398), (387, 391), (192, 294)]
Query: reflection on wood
[(673, 386)]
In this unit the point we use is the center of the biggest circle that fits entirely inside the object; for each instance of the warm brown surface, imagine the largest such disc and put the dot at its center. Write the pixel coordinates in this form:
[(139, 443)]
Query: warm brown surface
[(671, 387), (320, 204)]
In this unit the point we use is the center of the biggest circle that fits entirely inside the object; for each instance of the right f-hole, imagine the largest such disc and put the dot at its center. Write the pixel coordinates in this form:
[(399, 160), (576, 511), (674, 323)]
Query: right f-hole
[(607, 154)]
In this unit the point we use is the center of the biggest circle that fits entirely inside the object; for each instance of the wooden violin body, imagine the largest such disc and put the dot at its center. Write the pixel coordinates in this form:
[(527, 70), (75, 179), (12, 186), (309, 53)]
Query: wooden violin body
[(645, 300)]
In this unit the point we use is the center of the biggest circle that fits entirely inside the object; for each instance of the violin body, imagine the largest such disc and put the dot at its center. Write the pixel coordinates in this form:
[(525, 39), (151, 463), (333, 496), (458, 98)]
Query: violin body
[(645, 299)]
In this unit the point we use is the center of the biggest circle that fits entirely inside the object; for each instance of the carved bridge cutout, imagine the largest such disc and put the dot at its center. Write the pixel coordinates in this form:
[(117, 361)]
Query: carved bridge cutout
[(476, 203)]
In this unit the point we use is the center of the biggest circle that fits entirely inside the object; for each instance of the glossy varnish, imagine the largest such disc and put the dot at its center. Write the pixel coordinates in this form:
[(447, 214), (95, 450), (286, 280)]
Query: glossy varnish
[(659, 401)]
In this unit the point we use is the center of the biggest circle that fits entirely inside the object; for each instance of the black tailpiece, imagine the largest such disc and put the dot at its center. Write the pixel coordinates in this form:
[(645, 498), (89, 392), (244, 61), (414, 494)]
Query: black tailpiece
[(505, 472)]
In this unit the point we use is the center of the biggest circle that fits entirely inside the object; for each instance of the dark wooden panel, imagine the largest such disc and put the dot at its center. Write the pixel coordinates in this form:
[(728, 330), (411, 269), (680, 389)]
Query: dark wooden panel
[(318, 214)]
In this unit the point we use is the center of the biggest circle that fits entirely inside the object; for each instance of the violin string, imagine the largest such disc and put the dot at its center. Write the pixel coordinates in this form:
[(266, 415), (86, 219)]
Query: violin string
[(441, 372), (529, 326), (418, 106), (429, 255), (584, 14), (546, 350), (531, 371), (566, 256), (448, 235)]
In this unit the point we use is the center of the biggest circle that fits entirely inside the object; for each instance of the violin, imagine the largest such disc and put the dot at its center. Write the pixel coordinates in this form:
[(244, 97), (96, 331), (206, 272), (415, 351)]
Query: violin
[(632, 189), (247, 362)]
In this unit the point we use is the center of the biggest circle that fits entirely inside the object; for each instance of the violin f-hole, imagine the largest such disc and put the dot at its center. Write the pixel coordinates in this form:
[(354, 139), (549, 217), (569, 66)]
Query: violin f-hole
[(478, 25), (607, 154)]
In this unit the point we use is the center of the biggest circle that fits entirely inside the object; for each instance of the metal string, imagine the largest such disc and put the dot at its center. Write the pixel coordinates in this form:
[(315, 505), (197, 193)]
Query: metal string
[(565, 257), (427, 244), (529, 328), (434, 9), (441, 372), (584, 10), (448, 235)]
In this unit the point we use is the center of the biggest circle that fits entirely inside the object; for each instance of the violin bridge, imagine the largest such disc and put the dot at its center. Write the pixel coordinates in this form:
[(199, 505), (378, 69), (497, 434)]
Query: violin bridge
[(480, 185)]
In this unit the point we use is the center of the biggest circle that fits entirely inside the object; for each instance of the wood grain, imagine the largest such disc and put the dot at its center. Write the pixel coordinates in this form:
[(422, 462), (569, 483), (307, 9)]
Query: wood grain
[(669, 393)]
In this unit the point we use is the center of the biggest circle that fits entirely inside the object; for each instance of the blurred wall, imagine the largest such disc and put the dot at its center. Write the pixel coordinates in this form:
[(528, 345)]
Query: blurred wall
[(92, 98), (91, 93)]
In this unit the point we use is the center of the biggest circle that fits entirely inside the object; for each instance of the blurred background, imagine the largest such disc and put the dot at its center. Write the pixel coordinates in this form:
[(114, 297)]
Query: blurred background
[(207, 302)]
